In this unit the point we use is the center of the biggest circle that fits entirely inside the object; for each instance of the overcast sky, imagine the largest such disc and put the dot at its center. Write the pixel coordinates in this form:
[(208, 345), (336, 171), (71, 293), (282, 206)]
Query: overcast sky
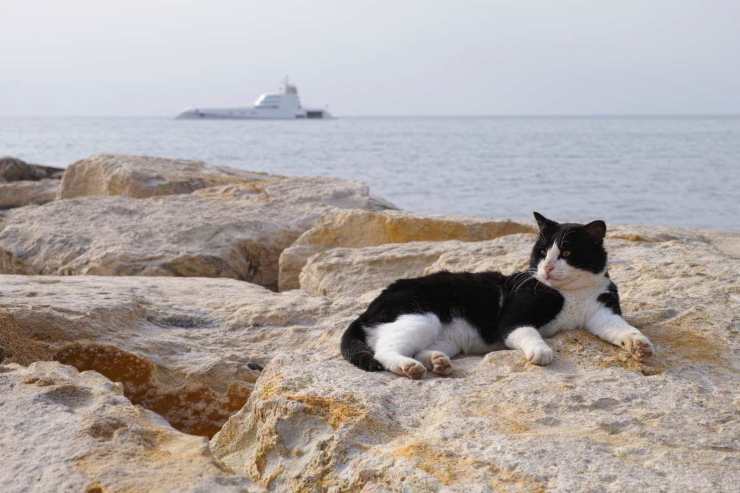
[(156, 57)]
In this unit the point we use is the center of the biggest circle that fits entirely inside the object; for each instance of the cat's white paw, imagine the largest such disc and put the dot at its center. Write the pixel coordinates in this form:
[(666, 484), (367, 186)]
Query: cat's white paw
[(441, 364), (637, 344), (413, 369), (539, 354)]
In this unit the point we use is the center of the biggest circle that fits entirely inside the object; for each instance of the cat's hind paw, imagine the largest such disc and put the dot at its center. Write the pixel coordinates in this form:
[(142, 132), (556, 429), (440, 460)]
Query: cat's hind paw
[(637, 345), (539, 354), (441, 364), (413, 369)]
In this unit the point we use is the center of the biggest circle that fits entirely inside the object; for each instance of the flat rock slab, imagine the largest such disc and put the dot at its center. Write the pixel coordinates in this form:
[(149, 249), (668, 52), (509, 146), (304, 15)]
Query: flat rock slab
[(498, 424), (62, 430), (188, 348), (235, 231)]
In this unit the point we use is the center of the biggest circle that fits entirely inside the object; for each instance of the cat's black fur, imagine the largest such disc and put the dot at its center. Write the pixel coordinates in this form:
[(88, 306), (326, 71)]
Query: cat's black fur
[(493, 303)]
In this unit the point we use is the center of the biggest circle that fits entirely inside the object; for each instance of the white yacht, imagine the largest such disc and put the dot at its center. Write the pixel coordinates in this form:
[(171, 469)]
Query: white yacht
[(284, 105)]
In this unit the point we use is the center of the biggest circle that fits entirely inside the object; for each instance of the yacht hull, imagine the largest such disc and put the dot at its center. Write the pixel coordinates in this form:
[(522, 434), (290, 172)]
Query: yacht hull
[(248, 114), (284, 105)]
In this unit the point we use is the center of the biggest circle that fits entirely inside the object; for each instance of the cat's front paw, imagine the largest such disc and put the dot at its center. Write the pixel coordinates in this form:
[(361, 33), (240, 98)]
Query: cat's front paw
[(636, 344), (539, 354)]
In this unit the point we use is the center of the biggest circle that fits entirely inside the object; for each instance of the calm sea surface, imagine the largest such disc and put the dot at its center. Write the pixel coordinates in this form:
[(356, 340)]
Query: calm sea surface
[(651, 170)]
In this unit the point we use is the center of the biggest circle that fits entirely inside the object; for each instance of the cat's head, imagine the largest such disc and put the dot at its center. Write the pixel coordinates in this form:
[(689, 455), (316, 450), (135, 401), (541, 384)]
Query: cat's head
[(569, 256)]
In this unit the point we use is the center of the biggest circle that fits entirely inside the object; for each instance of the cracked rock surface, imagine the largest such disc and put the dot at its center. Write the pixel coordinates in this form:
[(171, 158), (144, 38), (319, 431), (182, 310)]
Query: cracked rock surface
[(62, 430)]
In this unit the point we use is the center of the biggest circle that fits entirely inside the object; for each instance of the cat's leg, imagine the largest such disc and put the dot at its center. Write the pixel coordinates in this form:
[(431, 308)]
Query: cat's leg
[(395, 342), (612, 328), (529, 340), (437, 356), (401, 365)]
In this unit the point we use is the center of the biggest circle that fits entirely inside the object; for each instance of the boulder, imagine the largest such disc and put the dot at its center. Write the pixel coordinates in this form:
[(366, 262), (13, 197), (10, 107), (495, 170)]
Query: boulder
[(13, 169), (188, 348), (146, 176), (20, 193), (62, 430), (235, 231), (357, 228)]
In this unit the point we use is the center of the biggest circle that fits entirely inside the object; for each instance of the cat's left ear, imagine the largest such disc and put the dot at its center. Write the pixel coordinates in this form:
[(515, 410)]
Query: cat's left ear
[(543, 222), (596, 230)]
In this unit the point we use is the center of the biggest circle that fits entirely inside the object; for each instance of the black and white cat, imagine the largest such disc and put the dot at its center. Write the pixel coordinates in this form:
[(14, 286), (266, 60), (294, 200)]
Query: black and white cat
[(419, 324)]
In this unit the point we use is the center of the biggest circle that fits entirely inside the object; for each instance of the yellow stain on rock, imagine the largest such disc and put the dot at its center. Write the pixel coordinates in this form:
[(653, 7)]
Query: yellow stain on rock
[(335, 411), (448, 468), (690, 346), (583, 348)]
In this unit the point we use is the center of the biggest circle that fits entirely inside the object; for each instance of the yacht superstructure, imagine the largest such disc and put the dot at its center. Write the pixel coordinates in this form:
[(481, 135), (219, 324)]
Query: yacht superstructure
[(284, 105)]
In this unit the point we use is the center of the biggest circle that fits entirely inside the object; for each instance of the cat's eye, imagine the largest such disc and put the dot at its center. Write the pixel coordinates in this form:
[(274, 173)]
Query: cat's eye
[(543, 252), (565, 253)]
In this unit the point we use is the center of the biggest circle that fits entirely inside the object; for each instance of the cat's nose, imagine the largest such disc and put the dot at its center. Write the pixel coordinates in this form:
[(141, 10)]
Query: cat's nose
[(549, 268)]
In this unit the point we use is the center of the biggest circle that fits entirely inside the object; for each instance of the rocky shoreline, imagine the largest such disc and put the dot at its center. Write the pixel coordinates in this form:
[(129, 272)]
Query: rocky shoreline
[(171, 326)]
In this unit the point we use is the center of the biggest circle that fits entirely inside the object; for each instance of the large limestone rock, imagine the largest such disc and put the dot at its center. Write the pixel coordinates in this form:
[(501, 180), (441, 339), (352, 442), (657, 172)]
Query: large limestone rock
[(26, 184), (585, 423), (187, 348), (343, 272), (357, 228), (595, 420), (14, 169), (67, 431), (146, 176), (235, 231)]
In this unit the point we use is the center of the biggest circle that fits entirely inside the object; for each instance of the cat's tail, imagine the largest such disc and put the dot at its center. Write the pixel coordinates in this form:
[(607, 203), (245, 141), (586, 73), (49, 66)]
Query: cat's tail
[(355, 349)]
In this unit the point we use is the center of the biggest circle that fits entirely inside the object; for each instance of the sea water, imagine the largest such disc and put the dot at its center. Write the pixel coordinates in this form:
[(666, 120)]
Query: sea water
[(681, 171)]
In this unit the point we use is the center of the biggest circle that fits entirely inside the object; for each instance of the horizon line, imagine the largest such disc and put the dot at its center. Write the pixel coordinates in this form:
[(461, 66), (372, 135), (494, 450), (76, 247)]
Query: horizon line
[(411, 115)]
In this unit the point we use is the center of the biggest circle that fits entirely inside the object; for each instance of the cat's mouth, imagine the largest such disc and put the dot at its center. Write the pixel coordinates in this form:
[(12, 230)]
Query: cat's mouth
[(549, 279)]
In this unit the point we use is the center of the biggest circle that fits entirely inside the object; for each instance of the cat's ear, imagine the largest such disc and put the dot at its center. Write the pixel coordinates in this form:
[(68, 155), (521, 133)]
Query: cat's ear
[(543, 222), (596, 230)]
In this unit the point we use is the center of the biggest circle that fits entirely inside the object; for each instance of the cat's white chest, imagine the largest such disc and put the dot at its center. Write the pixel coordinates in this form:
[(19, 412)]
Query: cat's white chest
[(577, 309)]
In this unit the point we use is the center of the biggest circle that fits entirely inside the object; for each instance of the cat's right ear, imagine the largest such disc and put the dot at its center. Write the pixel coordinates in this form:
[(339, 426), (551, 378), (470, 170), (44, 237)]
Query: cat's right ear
[(543, 222)]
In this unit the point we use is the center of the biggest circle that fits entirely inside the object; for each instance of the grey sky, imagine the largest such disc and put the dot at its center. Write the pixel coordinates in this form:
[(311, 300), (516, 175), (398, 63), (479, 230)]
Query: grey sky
[(155, 57)]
